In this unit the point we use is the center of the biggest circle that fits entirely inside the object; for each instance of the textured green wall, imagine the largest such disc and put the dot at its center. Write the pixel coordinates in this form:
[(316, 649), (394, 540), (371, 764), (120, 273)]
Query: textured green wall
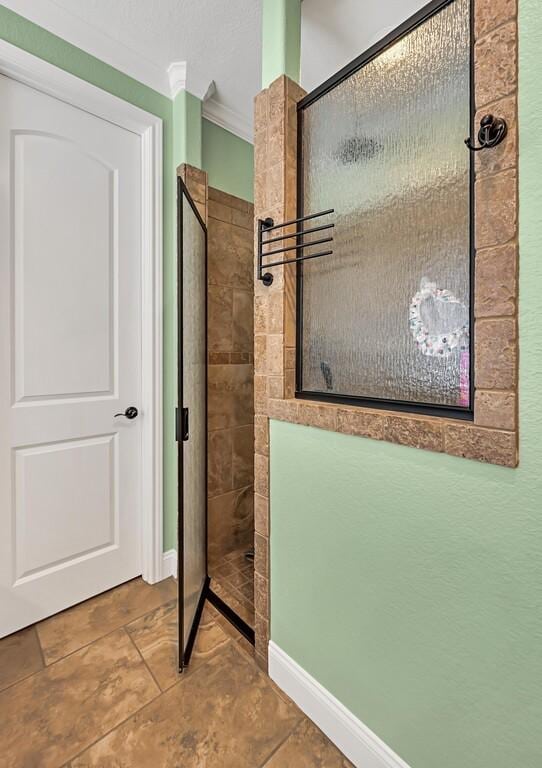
[(229, 161), (187, 137), (281, 40), (410, 583)]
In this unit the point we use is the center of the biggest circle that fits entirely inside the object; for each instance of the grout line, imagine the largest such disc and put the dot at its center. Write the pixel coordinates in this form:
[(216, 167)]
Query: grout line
[(137, 711), (118, 725), (482, 174), (501, 24), (35, 627), (160, 689), (511, 241), (152, 701), (67, 656), (82, 647), (280, 745)]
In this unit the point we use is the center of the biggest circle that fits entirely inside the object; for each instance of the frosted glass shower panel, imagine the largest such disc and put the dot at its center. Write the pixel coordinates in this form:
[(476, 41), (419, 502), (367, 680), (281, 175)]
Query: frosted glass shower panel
[(387, 315)]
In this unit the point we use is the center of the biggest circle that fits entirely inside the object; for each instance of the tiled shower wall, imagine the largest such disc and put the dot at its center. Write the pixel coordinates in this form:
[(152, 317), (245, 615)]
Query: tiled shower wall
[(231, 372)]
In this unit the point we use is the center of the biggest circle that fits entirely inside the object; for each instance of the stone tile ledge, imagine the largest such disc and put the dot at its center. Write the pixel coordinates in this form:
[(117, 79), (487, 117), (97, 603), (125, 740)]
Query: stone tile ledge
[(454, 437)]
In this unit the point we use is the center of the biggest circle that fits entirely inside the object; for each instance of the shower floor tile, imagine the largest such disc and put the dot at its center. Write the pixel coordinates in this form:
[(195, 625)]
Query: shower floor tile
[(233, 581)]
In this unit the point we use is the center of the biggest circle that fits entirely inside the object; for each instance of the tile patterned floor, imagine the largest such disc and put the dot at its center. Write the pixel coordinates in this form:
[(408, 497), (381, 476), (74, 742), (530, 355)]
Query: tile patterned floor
[(233, 581), (97, 687)]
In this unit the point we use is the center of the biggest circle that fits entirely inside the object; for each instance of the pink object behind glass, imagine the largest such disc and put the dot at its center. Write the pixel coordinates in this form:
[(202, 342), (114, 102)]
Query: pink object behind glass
[(464, 378)]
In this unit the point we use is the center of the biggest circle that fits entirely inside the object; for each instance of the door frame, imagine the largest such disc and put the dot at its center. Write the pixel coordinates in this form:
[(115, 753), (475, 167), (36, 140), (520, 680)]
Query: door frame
[(47, 78)]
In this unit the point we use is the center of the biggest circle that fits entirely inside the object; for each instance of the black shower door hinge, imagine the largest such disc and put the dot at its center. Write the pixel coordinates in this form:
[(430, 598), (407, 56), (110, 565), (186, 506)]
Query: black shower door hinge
[(181, 424)]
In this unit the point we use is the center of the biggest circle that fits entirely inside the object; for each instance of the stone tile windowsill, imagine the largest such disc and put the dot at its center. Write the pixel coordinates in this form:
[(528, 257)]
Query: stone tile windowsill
[(431, 433)]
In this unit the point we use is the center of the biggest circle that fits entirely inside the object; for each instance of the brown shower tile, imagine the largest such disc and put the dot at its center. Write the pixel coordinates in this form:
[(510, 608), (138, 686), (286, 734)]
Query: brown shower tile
[(72, 629), (243, 456), (219, 211), (224, 568), (261, 515), (219, 358), (20, 656), (248, 568), (230, 250), (235, 556), (261, 594), (235, 601), (231, 521), (220, 467), (243, 387), (307, 747), (220, 318), (247, 590), (243, 219), (238, 578), (496, 209), (231, 398), (496, 281), (496, 349), (221, 397), (225, 714), (496, 64), (242, 263), (243, 321), (53, 715), (230, 200), (261, 550), (155, 635)]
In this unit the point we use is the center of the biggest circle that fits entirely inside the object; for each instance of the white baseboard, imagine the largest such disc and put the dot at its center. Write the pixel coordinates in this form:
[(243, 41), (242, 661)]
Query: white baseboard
[(355, 740), (169, 563)]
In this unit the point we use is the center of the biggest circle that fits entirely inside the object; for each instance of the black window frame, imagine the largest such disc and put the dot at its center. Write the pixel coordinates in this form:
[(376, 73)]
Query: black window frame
[(429, 409)]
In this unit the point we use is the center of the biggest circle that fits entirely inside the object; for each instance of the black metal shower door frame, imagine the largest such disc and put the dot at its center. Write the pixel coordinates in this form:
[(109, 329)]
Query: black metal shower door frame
[(428, 409), (184, 653)]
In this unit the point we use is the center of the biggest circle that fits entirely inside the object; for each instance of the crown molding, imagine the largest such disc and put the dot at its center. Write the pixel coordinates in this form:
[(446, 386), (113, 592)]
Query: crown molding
[(182, 78), (176, 73), (229, 119)]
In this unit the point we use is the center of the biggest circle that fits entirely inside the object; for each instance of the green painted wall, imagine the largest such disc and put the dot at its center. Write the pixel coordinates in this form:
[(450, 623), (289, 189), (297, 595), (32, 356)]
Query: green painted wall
[(229, 161), (187, 130), (281, 40), (410, 583)]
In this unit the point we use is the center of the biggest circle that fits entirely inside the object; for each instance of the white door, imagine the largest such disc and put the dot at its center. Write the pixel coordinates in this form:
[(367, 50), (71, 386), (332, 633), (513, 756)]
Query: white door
[(70, 355)]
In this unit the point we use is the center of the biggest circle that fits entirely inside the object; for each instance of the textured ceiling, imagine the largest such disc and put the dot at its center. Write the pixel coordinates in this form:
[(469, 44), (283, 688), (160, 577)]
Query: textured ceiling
[(219, 39), (333, 33)]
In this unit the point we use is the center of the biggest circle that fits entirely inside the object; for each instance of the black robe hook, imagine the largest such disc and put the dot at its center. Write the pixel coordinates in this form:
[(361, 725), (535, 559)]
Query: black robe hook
[(492, 132)]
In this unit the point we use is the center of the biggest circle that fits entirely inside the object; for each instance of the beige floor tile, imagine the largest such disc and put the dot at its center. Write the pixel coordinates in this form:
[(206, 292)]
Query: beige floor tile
[(155, 635), (72, 629), (52, 716), (224, 715), (20, 656), (307, 747)]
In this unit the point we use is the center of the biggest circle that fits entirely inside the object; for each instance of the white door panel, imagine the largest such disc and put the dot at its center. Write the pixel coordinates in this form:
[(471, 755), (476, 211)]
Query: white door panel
[(70, 355), (71, 259)]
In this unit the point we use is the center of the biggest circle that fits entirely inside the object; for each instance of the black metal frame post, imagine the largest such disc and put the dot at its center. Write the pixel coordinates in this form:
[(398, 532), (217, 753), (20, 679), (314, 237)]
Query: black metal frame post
[(450, 411), (181, 436)]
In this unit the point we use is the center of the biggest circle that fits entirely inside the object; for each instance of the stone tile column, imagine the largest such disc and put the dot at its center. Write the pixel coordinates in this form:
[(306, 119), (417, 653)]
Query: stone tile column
[(275, 161)]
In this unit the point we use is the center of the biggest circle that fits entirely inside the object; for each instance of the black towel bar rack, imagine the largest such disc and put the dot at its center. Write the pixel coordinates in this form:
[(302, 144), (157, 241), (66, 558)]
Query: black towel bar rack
[(266, 226)]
